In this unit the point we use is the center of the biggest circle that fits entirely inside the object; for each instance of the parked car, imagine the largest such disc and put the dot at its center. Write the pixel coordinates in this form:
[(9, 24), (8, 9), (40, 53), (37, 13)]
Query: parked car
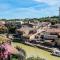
[(56, 52)]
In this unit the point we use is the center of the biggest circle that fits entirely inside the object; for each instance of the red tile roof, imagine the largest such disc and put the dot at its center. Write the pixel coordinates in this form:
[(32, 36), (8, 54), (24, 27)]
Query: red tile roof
[(53, 30)]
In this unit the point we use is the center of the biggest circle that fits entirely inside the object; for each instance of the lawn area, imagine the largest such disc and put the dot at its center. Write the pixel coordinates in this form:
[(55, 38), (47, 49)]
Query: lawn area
[(36, 52)]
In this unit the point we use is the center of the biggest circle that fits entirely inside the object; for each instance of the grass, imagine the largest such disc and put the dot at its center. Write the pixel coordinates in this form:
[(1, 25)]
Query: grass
[(36, 52)]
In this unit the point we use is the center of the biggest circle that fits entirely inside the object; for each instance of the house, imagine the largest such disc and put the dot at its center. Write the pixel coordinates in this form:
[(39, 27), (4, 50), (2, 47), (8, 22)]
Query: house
[(55, 26), (58, 42), (53, 31), (35, 24), (40, 24), (25, 30), (31, 29), (21, 22), (44, 24), (49, 39), (2, 23)]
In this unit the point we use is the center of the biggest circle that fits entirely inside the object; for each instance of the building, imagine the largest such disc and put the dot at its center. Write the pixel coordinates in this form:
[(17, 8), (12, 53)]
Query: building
[(50, 37), (53, 31), (55, 34), (2, 23), (31, 29), (55, 26)]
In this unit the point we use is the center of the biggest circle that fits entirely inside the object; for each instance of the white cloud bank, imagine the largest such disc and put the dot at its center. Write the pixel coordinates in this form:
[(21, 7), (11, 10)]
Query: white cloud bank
[(49, 2), (30, 12)]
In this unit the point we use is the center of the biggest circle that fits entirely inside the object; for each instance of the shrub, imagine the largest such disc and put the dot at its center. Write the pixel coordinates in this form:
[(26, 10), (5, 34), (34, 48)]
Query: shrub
[(33, 58)]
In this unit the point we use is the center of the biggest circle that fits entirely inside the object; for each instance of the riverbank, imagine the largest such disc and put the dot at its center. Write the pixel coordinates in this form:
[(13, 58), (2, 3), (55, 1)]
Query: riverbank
[(34, 51), (39, 46)]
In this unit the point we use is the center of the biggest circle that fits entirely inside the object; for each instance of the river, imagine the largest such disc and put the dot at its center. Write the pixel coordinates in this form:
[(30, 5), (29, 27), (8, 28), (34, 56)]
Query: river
[(36, 52)]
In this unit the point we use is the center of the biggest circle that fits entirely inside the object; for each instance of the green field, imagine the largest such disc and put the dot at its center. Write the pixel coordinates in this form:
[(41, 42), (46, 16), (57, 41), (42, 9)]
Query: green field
[(36, 52)]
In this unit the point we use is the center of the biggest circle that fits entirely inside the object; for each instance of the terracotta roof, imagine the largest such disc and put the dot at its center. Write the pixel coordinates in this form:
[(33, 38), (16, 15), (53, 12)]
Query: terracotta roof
[(25, 29), (53, 30), (59, 34), (2, 22)]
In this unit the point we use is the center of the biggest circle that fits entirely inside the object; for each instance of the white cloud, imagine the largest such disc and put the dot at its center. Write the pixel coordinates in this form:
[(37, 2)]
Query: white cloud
[(7, 11), (49, 2), (30, 12), (53, 7)]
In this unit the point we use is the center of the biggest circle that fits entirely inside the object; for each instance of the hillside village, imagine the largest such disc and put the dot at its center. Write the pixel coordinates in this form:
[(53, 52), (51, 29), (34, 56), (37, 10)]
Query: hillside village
[(32, 31), (40, 31), (43, 34)]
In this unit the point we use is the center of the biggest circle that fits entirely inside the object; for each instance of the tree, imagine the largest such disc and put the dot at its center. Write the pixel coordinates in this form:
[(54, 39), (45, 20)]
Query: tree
[(12, 29), (3, 39), (22, 53), (3, 29)]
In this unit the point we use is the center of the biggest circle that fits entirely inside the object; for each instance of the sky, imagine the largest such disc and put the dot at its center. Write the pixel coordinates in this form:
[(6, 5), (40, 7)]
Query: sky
[(28, 8)]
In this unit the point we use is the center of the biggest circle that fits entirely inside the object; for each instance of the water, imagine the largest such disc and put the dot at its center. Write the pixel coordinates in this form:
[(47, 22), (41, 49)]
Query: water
[(36, 52)]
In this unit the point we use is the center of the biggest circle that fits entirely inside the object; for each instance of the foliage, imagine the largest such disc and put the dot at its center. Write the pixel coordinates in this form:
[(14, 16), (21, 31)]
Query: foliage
[(3, 29), (3, 39), (39, 19), (21, 51), (37, 58), (12, 29), (21, 55)]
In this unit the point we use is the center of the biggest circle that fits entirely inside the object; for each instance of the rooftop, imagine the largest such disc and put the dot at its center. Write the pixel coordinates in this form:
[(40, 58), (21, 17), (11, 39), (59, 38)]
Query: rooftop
[(53, 30)]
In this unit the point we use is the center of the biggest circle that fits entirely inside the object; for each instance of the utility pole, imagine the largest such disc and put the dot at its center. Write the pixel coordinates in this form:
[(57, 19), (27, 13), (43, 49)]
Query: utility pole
[(59, 13)]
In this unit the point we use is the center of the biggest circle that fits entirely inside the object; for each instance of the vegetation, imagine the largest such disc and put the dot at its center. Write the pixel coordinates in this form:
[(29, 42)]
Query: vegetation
[(43, 19), (53, 19), (10, 28), (3, 39), (3, 29), (22, 53), (33, 58)]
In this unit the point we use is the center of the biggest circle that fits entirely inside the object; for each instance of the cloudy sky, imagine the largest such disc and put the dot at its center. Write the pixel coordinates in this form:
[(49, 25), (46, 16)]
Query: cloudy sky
[(28, 8)]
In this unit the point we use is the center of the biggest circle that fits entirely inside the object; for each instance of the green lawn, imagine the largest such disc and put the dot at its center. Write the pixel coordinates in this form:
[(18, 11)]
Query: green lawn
[(36, 52)]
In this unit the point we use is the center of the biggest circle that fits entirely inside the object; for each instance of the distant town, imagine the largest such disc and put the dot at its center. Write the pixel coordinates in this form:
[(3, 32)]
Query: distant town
[(42, 33)]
